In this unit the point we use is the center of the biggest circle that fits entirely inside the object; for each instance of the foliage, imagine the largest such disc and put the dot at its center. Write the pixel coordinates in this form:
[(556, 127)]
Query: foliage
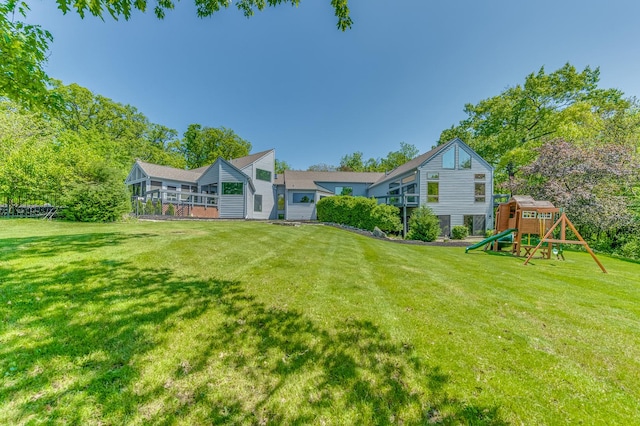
[(201, 146), (423, 225), (593, 185), (23, 55), (281, 166), (459, 232), (148, 207), (322, 167), (359, 212), (355, 163), (506, 129), (171, 210), (105, 199)]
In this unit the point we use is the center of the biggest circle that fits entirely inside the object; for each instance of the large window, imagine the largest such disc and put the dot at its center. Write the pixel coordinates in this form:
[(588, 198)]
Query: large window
[(449, 159), (280, 201), (464, 159), (344, 190), (433, 192), (257, 203), (263, 175), (303, 197), (232, 188), (480, 194)]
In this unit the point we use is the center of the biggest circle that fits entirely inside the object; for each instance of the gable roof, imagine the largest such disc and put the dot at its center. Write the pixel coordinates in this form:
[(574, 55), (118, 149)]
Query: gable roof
[(295, 179), (170, 173), (243, 162), (421, 159)]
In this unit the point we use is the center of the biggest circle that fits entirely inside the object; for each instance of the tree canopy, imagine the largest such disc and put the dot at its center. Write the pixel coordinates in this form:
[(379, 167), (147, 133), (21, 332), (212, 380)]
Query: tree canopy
[(506, 129), (201, 146), (355, 162)]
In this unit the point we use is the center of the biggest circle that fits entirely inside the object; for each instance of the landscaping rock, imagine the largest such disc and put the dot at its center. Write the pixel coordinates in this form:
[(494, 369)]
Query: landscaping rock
[(377, 232)]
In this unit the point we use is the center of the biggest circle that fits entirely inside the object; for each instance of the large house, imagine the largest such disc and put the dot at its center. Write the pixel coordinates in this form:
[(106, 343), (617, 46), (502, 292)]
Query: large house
[(451, 179)]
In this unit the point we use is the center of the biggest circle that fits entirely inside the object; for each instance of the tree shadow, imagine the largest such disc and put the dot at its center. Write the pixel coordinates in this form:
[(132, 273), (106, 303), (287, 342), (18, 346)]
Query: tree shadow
[(33, 247), (77, 342)]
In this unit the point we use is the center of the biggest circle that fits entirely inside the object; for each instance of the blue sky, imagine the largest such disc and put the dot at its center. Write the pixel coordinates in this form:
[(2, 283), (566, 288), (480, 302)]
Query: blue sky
[(288, 79)]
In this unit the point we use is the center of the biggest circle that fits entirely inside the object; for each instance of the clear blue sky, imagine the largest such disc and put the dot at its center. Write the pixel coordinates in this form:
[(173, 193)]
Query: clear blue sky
[(288, 79)]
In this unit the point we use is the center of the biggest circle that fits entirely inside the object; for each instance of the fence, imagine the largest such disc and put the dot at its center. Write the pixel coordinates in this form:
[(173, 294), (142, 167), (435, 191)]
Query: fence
[(29, 203)]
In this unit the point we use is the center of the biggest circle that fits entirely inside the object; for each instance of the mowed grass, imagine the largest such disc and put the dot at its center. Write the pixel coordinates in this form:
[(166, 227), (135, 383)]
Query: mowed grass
[(253, 323)]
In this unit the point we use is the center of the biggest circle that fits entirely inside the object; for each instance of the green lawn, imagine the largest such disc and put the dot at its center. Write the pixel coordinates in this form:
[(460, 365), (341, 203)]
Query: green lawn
[(253, 323)]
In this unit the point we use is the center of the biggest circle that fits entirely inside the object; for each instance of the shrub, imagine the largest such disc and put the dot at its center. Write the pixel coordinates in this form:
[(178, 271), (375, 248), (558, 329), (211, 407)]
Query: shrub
[(171, 211), (89, 202), (359, 212), (423, 225), (148, 207), (459, 232)]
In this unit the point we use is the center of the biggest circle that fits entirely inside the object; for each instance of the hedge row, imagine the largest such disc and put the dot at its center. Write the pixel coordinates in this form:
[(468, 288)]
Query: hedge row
[(359, 212)]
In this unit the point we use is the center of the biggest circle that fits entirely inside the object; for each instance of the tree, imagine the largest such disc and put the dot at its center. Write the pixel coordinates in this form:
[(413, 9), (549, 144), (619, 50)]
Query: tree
[(506, 129), (594, 185), (355, 162), (201, 146), (281, 166), (23, 54), (321, 167)]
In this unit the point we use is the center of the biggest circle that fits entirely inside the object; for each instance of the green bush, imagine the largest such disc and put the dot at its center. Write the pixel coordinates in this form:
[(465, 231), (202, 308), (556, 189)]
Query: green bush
[(459, 232), (171, 211), (423, 225), (91, 202), (157, 207), (359, 212), (148, 207)]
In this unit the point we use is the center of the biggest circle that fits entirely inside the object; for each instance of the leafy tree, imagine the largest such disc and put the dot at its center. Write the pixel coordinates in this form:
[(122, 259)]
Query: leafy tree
[(201, 146), (423, 225), (281, 166), (594, 185), (506, 129), (23, 54), (355, 162), (321, 167)]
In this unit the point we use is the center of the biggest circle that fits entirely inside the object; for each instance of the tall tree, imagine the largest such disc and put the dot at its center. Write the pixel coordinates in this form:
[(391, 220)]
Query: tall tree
[(281, 166), (355, 162), (506, 129), (203, 145)]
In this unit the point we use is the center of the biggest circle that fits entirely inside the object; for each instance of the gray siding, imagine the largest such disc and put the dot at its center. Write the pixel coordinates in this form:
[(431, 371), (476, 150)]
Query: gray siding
[(264, 188), (301, 211), (211, 175), (457, 188), (232, 206)]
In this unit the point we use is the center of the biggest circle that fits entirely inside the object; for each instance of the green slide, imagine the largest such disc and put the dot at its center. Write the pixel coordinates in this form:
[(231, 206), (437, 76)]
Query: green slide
[(490, 239)]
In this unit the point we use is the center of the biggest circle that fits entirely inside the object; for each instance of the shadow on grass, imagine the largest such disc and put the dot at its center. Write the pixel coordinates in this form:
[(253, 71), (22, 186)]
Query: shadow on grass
[(31, 247), (78, 344)]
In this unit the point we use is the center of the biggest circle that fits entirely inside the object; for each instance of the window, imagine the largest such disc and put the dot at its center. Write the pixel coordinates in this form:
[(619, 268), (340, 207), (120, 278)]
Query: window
[(479, 176), (449, 159), (280, 201), (545, 215), (155, 184), (303, 197), (263, 175), (343, 190), (232, 188), (464, 159), (257, 203), (528, 214), (480, 194), (433, 192), (433, 176)]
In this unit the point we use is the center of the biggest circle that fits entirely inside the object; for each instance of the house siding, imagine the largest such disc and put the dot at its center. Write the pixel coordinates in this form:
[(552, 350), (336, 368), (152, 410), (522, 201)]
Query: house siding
[(264, 188), (301, 211), (457, 188), (232, 206)]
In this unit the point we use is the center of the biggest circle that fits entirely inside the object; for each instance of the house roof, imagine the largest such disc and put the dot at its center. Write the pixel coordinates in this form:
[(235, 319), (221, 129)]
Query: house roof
[(171, 173), (243, 162), (295, 179), (526, 201)]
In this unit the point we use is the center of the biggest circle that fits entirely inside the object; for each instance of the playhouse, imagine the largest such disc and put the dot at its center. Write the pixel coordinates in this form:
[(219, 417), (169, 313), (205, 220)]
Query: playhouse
[(527, 221)]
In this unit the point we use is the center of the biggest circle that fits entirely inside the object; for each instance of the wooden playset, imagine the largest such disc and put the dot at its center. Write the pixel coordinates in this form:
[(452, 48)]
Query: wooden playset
[(528, 226)]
